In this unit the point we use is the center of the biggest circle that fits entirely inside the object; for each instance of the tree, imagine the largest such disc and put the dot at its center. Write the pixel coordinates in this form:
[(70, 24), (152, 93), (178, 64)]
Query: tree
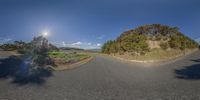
[(38, 51)]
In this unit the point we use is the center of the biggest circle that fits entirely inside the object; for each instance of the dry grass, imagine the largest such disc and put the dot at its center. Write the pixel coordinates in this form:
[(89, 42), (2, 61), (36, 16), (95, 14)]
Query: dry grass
[(72, 66), (157, 54), (9, 53)]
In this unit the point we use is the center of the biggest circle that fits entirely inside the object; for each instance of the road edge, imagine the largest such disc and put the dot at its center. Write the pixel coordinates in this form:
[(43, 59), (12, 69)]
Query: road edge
[(72, 66)]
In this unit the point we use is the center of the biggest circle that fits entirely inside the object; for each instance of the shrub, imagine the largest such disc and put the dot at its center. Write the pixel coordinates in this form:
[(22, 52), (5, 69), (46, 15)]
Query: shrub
[(134, 43), (110, 47), (180, 41), (128, 43), (164, 45)]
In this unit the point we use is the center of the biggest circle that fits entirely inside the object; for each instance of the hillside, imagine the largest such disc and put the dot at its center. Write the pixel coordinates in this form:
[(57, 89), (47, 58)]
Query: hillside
[(71, 48), (154, 41)]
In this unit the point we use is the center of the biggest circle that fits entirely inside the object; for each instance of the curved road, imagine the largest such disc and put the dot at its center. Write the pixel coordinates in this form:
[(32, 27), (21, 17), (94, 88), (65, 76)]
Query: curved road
[(105, 78)]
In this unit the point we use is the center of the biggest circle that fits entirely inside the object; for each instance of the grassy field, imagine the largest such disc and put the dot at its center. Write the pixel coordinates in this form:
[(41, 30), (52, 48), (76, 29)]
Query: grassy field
[(68, 57), (157, 54)]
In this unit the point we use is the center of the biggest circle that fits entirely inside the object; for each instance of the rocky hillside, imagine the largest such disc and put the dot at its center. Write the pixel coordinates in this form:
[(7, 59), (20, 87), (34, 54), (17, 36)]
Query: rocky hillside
[(146, 38)]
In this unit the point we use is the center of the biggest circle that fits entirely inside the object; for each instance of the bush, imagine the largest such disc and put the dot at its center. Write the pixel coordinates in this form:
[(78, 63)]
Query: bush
[(110, 47), (164, 45), (135, 43), (158, 37), (9, 47), (179, 41)]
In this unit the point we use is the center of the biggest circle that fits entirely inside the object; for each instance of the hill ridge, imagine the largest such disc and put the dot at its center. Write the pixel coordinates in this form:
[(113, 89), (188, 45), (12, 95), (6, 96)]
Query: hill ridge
[(146, 38)]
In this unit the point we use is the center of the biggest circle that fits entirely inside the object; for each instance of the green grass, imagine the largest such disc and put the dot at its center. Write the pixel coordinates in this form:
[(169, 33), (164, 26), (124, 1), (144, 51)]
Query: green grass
[(68, 56), (57, 54)]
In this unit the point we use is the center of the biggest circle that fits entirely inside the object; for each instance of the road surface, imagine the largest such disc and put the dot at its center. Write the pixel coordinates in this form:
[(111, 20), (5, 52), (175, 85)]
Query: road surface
[(105, 78)]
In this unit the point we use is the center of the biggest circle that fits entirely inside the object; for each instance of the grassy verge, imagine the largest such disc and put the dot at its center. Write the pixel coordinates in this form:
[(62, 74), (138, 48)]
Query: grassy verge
[(71, 66), (157, 54), (68, 57), (65, 61)]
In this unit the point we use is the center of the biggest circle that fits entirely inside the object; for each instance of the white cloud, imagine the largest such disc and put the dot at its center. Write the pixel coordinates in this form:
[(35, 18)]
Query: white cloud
[(89, 43), (4, 40), (98, 44), (63, 43), (77, 43)]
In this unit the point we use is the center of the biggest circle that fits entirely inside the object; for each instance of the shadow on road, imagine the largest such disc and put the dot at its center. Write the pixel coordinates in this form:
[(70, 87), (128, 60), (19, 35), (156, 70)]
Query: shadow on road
[(13, 67), (189, 72), (196, 60)]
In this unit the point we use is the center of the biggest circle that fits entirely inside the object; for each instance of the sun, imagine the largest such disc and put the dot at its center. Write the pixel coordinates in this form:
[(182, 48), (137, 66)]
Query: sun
[(45, 34)]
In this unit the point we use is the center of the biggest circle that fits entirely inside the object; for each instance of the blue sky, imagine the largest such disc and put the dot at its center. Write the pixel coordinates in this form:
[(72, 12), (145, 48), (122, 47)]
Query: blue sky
[(89, 23)]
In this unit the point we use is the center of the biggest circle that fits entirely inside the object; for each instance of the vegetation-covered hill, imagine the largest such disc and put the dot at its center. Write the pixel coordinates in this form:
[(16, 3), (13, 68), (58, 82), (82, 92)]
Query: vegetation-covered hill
[(147, 38)]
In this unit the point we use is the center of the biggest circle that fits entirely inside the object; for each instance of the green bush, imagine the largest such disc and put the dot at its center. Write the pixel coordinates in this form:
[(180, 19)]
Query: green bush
[(164, 45), (128, 43), (135, 41), (179, 41), (9, 47), (110, 47)]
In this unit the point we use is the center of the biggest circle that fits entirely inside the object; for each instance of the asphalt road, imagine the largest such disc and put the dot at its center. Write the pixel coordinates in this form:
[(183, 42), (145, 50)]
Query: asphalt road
[(105, 78)]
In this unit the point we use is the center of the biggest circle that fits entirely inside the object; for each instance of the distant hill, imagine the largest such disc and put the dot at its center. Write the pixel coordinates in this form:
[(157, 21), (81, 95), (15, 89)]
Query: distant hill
[(146, 38), (94, 50), (70, 48), (79, 49)]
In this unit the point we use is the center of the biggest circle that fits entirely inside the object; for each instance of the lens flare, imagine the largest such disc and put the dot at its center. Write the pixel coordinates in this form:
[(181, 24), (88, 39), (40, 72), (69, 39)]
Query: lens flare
[(45, 34)]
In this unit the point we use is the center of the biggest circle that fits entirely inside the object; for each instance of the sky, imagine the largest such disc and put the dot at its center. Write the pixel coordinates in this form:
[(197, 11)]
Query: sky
[(89, 23)]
